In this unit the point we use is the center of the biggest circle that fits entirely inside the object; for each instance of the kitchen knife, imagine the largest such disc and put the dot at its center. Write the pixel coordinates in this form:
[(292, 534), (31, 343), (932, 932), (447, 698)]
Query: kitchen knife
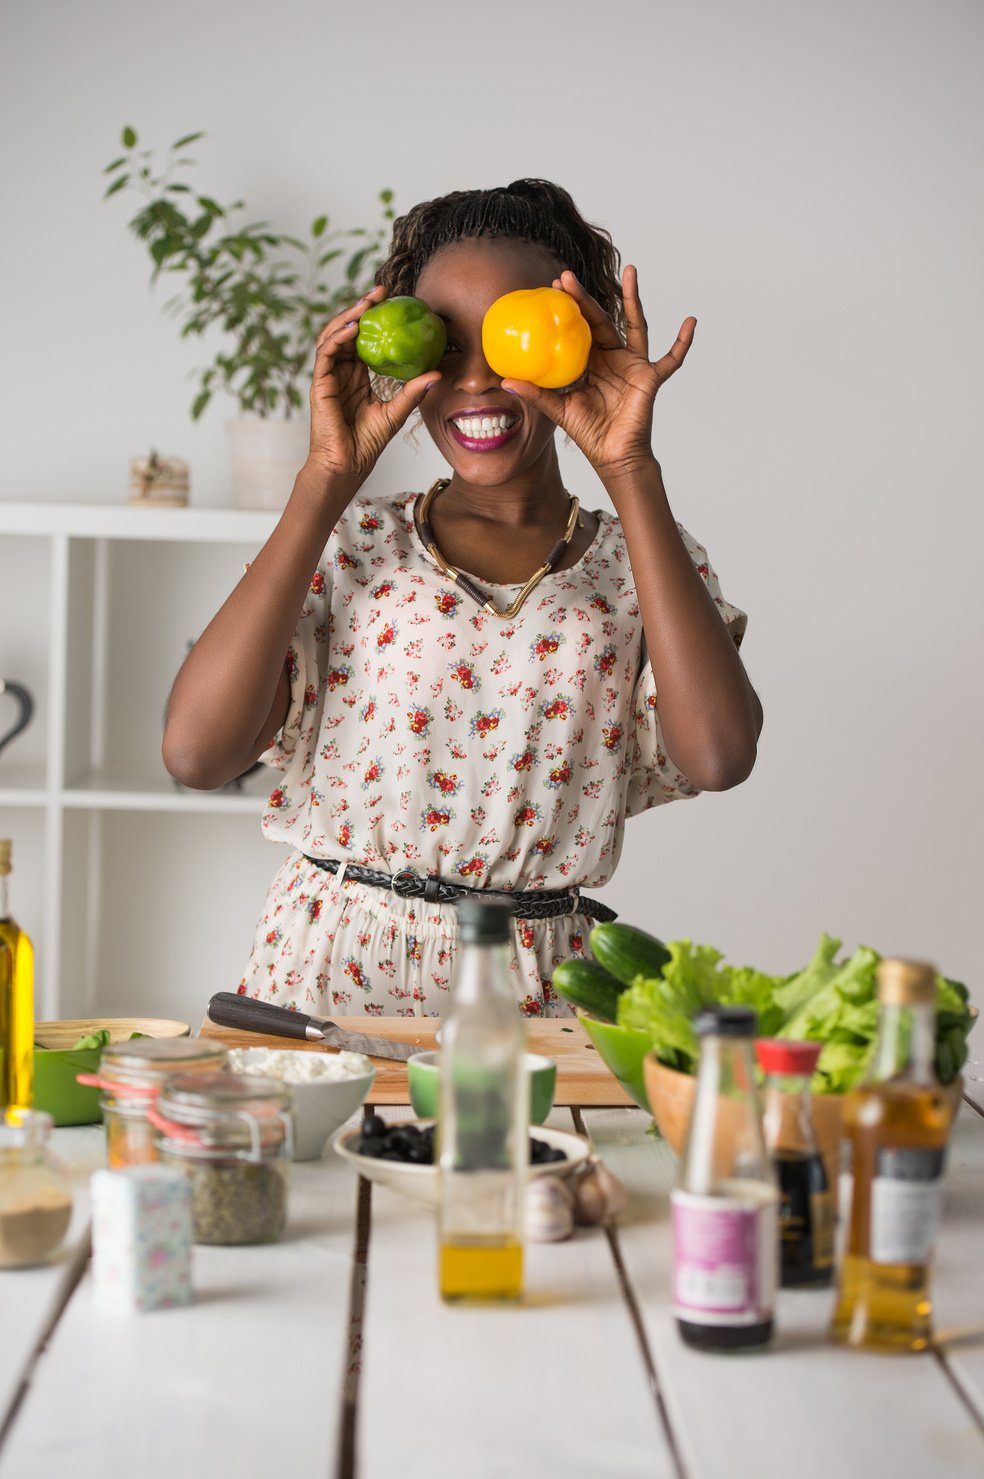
[(230, 1010)]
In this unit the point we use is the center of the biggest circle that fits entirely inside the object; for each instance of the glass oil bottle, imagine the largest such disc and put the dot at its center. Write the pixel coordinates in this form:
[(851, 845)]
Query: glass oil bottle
[(896, 1123), (724, 1206), (16, 1000), (483, 1124)]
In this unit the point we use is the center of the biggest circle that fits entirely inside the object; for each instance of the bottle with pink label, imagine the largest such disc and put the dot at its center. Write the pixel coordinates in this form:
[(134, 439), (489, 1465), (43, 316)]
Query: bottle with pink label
[(725, 1205)]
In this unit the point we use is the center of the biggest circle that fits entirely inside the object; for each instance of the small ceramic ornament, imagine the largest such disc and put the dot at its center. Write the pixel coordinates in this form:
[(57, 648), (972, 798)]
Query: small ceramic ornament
[(159, 482)]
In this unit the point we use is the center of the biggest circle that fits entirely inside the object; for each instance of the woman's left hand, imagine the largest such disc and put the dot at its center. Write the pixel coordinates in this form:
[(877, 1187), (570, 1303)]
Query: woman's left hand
[(608, 413)]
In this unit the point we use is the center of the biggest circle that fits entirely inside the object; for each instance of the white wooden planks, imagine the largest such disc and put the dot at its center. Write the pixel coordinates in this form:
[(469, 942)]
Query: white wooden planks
[(555, 1386), (958, 1274), (805, 1405), (31, 1297), (246, 1381)]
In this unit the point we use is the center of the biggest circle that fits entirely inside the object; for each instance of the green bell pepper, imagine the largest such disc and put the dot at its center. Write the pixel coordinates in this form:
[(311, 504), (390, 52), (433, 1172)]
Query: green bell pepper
[(400, 337)]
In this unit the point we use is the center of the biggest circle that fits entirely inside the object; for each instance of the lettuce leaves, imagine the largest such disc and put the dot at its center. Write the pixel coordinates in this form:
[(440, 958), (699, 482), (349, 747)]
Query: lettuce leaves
[(829, 1001), (693, 978)]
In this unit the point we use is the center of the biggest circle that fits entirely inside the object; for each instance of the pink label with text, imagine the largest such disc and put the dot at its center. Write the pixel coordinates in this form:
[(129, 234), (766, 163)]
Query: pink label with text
[(725, 1257)]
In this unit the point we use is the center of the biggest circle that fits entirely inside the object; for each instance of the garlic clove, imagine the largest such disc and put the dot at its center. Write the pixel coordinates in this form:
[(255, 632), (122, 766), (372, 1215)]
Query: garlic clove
[(599, 1196)]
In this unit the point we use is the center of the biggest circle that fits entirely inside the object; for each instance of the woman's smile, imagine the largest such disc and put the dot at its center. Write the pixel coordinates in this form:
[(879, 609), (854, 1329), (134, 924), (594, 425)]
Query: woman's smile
[(484, 428)]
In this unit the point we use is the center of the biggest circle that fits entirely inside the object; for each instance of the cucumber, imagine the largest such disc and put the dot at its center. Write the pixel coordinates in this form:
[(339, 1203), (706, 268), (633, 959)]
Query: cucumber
[(626, 952), (588, 986)]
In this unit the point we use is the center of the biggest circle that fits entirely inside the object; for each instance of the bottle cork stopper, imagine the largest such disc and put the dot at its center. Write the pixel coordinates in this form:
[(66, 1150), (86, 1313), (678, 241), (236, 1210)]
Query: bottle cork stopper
[(6, 847), (905, 982)]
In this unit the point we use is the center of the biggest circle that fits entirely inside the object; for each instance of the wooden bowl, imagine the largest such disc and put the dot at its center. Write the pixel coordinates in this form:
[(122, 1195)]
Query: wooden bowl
[(671, 1097)]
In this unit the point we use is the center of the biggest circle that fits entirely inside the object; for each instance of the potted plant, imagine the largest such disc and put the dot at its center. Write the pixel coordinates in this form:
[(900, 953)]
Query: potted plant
[(268, 293)]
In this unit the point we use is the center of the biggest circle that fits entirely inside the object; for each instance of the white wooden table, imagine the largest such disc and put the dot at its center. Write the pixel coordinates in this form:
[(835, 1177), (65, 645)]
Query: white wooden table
[(331, 1354)]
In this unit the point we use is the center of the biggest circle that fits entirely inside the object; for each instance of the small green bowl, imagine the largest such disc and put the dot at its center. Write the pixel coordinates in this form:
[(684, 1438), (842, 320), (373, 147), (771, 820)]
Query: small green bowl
[(623, 1050), (58, 1061), (423, 1076), (55, 1089)]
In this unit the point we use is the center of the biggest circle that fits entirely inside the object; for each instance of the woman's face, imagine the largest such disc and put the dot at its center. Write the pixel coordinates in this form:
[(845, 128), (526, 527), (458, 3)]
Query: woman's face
[(459, 284)]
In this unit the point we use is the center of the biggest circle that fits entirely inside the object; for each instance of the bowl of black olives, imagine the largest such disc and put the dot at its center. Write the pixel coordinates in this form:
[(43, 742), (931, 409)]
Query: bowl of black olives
[(400, 1154)]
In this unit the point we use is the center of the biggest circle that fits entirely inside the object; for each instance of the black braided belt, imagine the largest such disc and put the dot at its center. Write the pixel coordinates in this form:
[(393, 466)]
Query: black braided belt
[(544, 903)]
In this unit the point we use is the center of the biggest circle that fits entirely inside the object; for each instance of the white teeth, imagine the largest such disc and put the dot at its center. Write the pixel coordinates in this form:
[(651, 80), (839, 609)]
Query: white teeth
[(481, 428)]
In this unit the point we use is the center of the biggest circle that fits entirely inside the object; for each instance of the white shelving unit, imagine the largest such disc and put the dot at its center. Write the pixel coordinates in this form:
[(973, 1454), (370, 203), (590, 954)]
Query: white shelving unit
[(97, 606)]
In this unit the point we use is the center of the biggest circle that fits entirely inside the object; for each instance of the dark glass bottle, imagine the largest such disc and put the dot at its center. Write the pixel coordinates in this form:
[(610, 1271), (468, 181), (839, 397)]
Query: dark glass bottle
[(806, 1201)]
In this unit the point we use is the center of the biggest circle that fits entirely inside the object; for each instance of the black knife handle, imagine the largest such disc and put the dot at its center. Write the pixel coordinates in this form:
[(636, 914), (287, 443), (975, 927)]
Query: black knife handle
[(230, 1010)]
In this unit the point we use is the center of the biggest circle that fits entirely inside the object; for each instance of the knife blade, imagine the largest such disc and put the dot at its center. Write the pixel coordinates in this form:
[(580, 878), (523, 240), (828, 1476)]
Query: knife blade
[(227, 1009)]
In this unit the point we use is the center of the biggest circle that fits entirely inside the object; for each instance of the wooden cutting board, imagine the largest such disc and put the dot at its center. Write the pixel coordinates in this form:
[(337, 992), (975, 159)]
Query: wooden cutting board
[(582, 1077)]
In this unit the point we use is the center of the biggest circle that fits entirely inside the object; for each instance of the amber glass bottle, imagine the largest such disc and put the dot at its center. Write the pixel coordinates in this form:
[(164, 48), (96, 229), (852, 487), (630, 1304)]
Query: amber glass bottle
[(896, 1123), (16, 1000)]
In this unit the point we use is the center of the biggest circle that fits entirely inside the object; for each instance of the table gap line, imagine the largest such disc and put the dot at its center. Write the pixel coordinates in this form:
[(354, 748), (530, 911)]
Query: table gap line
[(346, 1465), (975, 1107), (635, 1316), (76, 1270), (958, 1386)]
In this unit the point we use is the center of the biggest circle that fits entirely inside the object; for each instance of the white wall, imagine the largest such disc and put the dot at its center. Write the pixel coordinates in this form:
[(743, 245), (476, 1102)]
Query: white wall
[(803, 178)]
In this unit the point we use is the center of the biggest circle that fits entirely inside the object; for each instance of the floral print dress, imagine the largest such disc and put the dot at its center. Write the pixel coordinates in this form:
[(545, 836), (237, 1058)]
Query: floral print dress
[(424, 733)]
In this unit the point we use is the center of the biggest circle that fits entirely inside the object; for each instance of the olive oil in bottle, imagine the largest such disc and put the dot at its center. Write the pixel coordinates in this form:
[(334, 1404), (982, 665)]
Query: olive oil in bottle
[(896, 1122), (483, 1125), (16, 1000)]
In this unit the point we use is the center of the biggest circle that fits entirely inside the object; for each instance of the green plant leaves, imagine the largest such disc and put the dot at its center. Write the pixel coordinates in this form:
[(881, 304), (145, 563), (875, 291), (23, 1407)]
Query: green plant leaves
[(262, 289)]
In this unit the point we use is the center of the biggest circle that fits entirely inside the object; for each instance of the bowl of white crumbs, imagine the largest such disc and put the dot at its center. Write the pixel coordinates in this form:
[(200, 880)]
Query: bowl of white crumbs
[(326, 1089)]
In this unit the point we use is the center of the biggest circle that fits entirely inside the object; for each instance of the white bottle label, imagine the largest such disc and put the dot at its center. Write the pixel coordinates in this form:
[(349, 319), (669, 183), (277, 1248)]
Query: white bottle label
[(906, 1201)]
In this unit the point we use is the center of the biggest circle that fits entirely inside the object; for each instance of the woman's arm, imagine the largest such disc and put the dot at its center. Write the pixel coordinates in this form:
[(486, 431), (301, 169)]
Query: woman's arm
[(232, 692), (709, 714), (708, 711)]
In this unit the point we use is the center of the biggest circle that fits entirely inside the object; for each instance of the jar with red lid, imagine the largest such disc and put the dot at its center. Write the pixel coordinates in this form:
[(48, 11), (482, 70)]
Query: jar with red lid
[(230, 1134), (131, 1075)]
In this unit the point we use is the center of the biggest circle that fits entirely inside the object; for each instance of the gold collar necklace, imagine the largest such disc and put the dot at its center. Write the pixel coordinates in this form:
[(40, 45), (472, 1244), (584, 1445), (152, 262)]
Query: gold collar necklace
[(465, 581)]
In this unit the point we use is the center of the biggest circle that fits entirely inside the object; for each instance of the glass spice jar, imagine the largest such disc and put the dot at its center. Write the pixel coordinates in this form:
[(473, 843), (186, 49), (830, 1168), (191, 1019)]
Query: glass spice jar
[(230, 1134), (35, 1198), (131, 1075)]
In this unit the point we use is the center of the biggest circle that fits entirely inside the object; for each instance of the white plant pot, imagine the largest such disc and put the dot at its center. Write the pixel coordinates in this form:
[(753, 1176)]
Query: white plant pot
[(267, 454)]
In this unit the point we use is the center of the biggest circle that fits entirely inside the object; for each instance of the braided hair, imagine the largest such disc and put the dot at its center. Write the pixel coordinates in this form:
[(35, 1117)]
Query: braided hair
[(527, 210)]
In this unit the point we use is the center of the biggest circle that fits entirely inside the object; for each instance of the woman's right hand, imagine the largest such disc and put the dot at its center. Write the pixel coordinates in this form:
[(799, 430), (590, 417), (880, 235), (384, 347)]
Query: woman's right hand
[(350, 426)]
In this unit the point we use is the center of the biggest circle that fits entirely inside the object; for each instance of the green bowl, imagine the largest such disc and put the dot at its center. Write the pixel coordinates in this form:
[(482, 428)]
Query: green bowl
[(55, 1089), (424, 1078), (58, 1061), (623, 1050)]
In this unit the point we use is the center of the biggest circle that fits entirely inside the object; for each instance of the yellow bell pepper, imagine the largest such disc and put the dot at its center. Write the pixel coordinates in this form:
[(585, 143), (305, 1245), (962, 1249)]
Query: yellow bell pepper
[(537, 334)]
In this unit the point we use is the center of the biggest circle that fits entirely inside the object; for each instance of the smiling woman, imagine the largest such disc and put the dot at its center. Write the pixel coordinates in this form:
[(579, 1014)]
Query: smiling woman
[(484, 682)]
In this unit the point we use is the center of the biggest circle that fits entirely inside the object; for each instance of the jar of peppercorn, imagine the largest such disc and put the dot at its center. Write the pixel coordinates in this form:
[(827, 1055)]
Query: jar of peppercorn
[(131, 1075), (230, 1134)]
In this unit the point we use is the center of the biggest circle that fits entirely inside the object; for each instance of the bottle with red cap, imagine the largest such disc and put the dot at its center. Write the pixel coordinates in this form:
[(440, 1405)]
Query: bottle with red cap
[(806, 1200)]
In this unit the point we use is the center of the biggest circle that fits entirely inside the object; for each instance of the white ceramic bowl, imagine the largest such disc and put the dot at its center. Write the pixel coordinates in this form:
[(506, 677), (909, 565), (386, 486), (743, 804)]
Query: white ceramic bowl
[(319, 1107), (420, 1183)]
